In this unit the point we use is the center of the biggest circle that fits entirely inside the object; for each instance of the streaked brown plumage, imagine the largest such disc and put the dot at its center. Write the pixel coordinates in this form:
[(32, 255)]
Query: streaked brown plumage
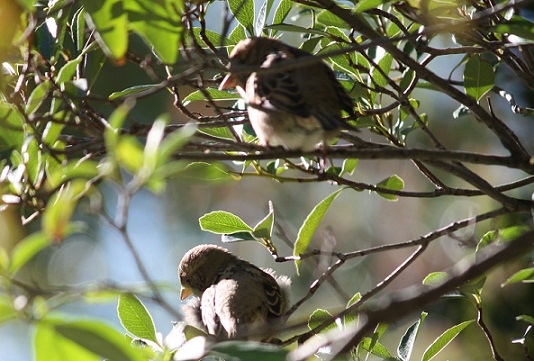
[(236, 298), (297, 107)]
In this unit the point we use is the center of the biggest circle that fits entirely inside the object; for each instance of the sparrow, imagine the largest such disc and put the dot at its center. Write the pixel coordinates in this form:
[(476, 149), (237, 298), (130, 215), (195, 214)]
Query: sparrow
[(233, 298), (298, 107)]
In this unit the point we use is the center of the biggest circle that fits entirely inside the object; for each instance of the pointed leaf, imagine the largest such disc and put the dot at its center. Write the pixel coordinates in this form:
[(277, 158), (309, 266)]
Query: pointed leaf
[(308, 228), (404, 351), (318, 317), (479, 77), (442, 341), (97, 338), (525, 275), (134, 317), (264, 228), (221, 222), (394, 183), (26, 249)]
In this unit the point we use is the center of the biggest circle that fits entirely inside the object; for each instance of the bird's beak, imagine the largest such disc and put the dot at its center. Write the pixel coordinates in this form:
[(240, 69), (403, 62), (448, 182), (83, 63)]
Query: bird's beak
[(229, 82), (185, 292)]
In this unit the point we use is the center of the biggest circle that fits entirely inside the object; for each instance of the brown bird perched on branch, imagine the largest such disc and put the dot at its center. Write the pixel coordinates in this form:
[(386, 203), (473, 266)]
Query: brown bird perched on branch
[(237, 299), (291, 101)]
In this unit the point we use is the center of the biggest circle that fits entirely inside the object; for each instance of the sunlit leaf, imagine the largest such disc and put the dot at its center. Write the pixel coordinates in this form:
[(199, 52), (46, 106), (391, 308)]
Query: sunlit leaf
[(517, 25), (135, 318), (435, 278), (264, 228), (221, 222), (98, 338), (525, 275), (7, 311), (132, 91), (26, 249), (318, 317), (404, 351), (111, 22), (213, 94), (394, 183), (308, 228), (49, 345), (376, 348), (248, 351), (243, 11), (159, 24), (444, 339)]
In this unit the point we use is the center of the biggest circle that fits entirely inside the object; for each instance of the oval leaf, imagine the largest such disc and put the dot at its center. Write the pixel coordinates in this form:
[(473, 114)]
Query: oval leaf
[(479, 77), (135, 318), (221, 222)]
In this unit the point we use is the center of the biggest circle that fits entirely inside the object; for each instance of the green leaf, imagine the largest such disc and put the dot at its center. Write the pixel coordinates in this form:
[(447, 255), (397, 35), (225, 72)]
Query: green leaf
[(132, 90), (351, 317), (384, 66), (248, 350), (75, 169), (68, 71), (129, 153), (376, 348), (111, 22), (526, 318), (116, 119), (213, 94), (159, 24), (97, 338), (404, 351), (237, 237), (349, 165), (26, 249), (394, 183), (508, 234), (281, 12), (364, 5), (318, 317), (444, 339), (326, 18), (11, 122), (525, 275), (49, 345), (205, 173), (264, 228), (79, 20), (135, 318), (295, 29), (7, 312), (479, 77), (435, 278), (517, 25), (237, 34), (220, 132), (211, 36), (175, 141), (37, 96), (243, 11), (56, 222), (221, 222), (308, 228)]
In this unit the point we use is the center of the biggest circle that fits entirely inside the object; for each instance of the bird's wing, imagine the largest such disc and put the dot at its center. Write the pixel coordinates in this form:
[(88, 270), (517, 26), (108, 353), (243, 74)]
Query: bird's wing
[(210, 318)]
